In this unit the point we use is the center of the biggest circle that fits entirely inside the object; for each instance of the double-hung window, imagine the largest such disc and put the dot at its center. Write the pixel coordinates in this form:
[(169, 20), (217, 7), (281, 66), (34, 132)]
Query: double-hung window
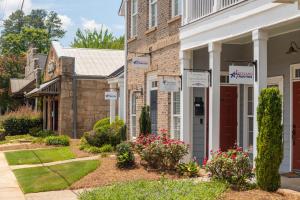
[(133, 115), (134, 16), (152, 13), (176, 8), (175, 98)]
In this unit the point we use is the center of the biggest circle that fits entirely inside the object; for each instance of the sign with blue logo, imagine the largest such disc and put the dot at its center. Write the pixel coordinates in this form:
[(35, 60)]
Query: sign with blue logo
[(141, 62), (241, 75)]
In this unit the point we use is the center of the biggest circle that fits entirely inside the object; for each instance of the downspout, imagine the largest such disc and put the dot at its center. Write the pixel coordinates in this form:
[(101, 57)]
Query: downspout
[(126, 63), (74, 102)]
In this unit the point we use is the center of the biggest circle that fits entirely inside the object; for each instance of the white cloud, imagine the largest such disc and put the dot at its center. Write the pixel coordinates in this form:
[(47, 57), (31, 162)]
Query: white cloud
[(9, 6), (66, 21), (91, 25), (119, 26)]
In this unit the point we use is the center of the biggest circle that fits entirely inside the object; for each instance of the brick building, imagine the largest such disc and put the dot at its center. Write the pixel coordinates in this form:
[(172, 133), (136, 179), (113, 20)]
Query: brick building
[(152, 31), (73, 92)]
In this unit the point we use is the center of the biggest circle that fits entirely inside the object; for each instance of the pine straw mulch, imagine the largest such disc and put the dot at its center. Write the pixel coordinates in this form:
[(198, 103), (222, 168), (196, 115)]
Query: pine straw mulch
[(108, 174), (281, 194)]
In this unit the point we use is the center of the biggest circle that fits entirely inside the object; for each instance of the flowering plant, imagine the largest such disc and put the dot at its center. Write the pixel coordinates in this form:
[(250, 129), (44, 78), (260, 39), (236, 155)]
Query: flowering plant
[(232, 166), (161, 152)]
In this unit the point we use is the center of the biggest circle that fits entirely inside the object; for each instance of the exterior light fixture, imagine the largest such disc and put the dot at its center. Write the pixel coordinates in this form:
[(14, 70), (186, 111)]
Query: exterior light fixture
[(293, 48)]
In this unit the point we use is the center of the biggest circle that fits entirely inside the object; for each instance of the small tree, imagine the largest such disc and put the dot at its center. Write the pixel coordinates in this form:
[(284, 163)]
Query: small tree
[(269, 140), (145, 121)]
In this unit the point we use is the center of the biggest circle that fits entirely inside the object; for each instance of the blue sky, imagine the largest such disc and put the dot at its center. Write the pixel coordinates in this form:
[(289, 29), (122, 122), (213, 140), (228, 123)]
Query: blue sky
[(84, 14)]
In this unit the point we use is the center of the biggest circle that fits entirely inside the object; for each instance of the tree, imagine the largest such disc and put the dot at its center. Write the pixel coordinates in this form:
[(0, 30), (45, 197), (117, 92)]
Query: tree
[(269, 140), (145, 121), (54, 26), (102, 39)]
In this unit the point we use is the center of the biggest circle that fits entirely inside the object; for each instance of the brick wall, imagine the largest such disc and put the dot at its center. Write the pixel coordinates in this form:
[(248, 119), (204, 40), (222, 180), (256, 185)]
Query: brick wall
[(163, 44)]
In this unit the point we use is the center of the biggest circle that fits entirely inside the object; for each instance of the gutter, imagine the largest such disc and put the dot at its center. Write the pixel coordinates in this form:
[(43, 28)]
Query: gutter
[(74, 102), (126, 63)]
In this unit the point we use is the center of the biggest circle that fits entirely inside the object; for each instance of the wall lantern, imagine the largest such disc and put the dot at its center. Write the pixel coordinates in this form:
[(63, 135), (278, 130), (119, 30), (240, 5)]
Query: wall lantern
[(293, 48)]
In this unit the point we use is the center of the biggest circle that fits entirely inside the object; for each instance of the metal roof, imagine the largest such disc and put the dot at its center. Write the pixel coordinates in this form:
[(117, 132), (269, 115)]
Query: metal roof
[(92, 62), (17, 85), (44, 88)]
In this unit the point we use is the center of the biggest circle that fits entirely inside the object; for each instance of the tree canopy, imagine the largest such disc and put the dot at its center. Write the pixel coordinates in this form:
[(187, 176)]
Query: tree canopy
[(102, 39)]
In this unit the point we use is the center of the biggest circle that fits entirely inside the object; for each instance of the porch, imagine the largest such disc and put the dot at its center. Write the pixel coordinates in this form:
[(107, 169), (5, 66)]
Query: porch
[(230, 109)]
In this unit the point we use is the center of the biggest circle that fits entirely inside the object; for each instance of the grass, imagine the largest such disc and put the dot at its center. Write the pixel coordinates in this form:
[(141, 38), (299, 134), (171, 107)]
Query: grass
[(39, 156), (158, 190), (16, 138), (57, 177)]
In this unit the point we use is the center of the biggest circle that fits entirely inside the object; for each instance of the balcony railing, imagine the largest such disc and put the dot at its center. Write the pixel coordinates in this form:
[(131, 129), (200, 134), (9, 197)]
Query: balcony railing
[(197, 9)]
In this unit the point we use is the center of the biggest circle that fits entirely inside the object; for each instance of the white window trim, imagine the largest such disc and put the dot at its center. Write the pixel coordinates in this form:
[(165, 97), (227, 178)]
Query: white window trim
[(132, 115), (150, 78), (132, 15), (150, 13), (173, 8), (173, 115)]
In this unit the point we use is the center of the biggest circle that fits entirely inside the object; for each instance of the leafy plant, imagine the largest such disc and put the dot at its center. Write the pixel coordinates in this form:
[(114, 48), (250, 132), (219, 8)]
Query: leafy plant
[(161, 152), (269, 140), (145, 121), (61, 140), (85, 146), (43, 133), (190, 169), (125, 155), (232, 166)]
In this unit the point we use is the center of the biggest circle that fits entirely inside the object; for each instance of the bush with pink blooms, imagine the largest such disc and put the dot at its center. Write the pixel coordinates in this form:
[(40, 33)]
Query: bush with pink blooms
[(233, 166), (161, 152)]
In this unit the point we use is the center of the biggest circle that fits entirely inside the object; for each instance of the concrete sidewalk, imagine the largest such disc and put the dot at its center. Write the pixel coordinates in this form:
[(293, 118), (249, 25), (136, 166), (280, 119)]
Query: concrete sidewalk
[(54, 163), (54, 195), (9, 188)]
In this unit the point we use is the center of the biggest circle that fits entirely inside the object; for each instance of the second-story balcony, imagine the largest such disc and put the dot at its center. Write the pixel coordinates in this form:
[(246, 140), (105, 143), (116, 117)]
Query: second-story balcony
[(197, 9)]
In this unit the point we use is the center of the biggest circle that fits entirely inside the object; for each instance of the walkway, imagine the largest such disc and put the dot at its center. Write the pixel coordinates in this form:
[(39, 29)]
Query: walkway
[(9, 188), (54, 195)]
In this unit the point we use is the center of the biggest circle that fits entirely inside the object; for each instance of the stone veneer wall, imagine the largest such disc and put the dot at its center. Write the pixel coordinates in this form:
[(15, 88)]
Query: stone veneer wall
[(163, 43)]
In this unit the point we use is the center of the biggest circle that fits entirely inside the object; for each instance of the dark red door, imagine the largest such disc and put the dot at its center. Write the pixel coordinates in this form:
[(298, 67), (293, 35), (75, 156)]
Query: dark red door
[(296, 125), (228, 117)]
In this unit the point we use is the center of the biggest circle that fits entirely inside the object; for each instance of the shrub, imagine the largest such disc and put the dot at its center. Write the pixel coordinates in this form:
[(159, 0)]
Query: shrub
[(2, 136), (97, 138), (125, 155), (232, 166), (106, 148), (123, 133), (85, 146), (145, 121), (21, 121), (161, 152), (43, 133), (61, 140), (33, 131), (190, 169), (269, 140), (102, 125)]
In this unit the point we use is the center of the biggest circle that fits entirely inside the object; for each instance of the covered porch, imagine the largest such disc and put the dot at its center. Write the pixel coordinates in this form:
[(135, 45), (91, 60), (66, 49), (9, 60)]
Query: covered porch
[(229, 115)]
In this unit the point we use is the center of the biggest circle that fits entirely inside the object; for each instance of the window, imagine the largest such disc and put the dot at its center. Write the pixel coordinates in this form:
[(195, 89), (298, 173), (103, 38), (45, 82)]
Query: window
[(175, 115), (133, 115), (134, 15), (250, 110), (152, 13), (176, 8)]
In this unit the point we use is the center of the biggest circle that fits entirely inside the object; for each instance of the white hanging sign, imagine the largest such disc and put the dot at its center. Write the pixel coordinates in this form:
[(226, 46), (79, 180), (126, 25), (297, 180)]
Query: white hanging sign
[(112, 96), (141, 62), (198, 79), (241, 74), (169, 84)]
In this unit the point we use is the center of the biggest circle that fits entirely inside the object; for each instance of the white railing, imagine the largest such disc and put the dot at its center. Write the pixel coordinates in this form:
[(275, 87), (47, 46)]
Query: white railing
[(197, 9)]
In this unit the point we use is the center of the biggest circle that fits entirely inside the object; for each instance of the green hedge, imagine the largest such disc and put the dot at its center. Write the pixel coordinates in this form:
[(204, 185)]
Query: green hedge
[(269, 140), (19, 126), (58, 140)]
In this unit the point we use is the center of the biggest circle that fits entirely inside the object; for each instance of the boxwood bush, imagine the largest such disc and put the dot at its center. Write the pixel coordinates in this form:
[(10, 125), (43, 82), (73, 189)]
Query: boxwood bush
[(125, 155), (61, 140), (269, 140)]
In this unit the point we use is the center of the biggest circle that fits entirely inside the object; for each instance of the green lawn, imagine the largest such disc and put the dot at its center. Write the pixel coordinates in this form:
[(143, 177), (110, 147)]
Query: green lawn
[(39, 156), (16, 138), (158, 190), (57, 177)]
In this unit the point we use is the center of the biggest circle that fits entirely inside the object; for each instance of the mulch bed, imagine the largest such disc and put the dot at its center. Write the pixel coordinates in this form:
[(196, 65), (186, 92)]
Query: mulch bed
[(74, 145), (108, 174), (261, 195)]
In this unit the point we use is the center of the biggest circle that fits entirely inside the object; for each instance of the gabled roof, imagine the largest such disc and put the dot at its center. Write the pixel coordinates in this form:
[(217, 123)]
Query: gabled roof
[(92, 62), (122, 9), (18, 86), (117, 73), (49, 88)]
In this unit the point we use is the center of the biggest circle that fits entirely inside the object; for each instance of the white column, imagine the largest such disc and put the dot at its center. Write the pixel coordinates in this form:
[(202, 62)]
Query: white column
[(112, 105), (214, 96), (121, 99), (185, 99), (260, 40)]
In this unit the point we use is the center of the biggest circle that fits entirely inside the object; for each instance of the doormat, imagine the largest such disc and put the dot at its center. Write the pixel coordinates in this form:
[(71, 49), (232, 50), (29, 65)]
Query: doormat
[(291, 175)]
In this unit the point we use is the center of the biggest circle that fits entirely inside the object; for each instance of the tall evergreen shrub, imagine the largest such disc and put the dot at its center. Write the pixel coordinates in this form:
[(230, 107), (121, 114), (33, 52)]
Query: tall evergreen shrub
[(145, 121), (269, 140)]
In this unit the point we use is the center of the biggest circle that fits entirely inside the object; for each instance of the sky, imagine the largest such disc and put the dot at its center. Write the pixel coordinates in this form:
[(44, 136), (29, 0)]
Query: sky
[(83, 14)]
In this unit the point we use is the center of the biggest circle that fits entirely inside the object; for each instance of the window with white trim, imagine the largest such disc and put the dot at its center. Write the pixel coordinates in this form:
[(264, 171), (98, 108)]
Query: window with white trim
[(152, 13), (250, 112), (175, 98), (134, 16), (176, 8), (133, 115)]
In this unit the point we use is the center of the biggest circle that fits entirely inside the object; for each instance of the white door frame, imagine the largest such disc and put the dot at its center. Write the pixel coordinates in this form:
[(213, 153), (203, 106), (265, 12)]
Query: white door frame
[(292, 80)]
